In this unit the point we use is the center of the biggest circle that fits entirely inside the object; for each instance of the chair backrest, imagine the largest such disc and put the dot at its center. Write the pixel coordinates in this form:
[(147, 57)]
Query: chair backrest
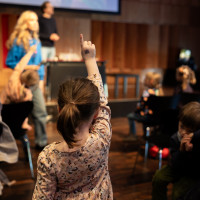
[(188, 97), (14, 115), (159, 103), (169, 121)]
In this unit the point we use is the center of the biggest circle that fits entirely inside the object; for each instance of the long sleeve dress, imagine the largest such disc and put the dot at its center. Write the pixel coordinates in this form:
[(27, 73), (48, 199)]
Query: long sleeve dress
[(82, 174)]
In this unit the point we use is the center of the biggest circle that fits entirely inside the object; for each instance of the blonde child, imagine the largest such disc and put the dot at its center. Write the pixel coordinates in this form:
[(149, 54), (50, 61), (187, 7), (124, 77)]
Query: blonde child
[(17, 89), (152, 86), (185, 77)]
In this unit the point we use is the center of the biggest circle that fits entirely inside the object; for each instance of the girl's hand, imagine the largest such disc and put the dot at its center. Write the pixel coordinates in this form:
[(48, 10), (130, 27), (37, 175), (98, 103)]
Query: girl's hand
[(88, 50)]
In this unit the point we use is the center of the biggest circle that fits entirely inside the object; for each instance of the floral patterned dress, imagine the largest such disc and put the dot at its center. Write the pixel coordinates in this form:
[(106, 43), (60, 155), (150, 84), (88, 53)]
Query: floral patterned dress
[(81, 174)]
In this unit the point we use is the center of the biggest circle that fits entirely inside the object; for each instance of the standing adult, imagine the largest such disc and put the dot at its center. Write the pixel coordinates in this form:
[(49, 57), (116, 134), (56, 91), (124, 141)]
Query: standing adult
[(48, 31), (24, 36)]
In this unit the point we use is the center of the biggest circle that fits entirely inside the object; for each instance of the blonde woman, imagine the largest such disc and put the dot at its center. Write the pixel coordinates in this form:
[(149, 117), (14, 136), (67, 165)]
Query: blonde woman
[(24, 36)]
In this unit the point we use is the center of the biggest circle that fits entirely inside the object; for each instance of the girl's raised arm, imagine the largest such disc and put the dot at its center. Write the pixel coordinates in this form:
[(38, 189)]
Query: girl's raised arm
[(88, 52)]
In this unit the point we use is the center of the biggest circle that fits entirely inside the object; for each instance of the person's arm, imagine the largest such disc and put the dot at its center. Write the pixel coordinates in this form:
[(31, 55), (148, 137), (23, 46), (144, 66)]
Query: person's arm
[(54, 36), (88, 52), (46, 183), (101, 124), (22, 64), (14, 91), (176, 155), (33, 67)]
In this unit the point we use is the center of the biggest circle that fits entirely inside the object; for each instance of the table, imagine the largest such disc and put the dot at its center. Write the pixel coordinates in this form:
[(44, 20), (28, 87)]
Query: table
[(58, 72), (125, 76)]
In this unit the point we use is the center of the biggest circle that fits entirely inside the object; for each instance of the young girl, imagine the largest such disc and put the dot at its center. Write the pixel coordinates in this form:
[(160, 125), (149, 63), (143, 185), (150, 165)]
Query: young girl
[(152, 86), (185, 77), (77, 168)]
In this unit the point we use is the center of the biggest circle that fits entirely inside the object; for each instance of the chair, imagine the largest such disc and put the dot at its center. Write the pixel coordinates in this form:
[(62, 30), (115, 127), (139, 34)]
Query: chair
[(161, 135), (14, 115), (161, 118), (159, 121), (188, 97)]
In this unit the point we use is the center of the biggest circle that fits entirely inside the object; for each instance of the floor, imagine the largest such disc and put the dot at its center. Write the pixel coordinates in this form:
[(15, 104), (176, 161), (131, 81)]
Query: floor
[(129, 180)]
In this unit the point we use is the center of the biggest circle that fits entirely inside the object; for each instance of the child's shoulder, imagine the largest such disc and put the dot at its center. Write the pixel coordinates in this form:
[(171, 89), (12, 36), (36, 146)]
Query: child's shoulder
[(49, 149)]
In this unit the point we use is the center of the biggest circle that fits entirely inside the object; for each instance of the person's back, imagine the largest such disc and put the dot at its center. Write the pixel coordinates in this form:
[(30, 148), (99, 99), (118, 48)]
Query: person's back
[(77, 168)]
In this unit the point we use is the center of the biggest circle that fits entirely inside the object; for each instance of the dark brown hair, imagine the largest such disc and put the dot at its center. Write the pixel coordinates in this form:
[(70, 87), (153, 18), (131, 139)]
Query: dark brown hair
[(29, 78), (190, 116), (44, 5), (78, 100)]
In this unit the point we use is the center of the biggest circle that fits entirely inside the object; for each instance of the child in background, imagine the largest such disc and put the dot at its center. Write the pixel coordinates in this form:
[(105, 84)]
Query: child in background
[(183, 169), (17, 89), (185, 77), (77, 168), (152, 86)]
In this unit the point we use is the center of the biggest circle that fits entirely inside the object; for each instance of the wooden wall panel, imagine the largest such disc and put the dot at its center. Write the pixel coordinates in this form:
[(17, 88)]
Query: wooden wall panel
[(133, 47), (142, 46), (12, 22), (69, 30), (96, 37), (108, 44), (153, 41), (163, 47), (119, 46), (131, 61)]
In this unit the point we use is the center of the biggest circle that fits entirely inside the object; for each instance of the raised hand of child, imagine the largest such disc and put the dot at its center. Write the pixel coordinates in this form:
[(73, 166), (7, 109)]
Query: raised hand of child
[(88, 49)]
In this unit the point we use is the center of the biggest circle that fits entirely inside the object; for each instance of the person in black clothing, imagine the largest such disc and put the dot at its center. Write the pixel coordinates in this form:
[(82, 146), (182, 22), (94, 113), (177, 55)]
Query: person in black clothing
[(183, 168), (48, 31)]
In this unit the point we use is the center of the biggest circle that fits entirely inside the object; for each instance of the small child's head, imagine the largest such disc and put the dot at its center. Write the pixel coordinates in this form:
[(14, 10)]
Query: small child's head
[(185, 73), (189, 118), (78, 101), (29, 78), (153, 80)]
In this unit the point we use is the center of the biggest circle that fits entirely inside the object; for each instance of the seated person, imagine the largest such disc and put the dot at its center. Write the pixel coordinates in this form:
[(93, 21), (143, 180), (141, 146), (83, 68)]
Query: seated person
[(17, 89), (8, 151), (183, 168), (185, 77), (153, 86)]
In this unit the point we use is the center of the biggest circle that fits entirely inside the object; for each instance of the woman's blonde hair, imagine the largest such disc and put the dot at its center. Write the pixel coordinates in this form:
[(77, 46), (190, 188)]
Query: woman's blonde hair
[(21, 32)]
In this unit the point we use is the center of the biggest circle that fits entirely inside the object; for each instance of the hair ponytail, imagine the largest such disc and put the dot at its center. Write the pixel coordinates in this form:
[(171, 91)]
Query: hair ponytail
[(68, 122), (78, 100)]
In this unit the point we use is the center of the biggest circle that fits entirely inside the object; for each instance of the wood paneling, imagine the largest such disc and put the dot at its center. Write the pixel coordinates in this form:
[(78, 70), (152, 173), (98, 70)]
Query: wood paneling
[(131, 47), (69, 30)]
